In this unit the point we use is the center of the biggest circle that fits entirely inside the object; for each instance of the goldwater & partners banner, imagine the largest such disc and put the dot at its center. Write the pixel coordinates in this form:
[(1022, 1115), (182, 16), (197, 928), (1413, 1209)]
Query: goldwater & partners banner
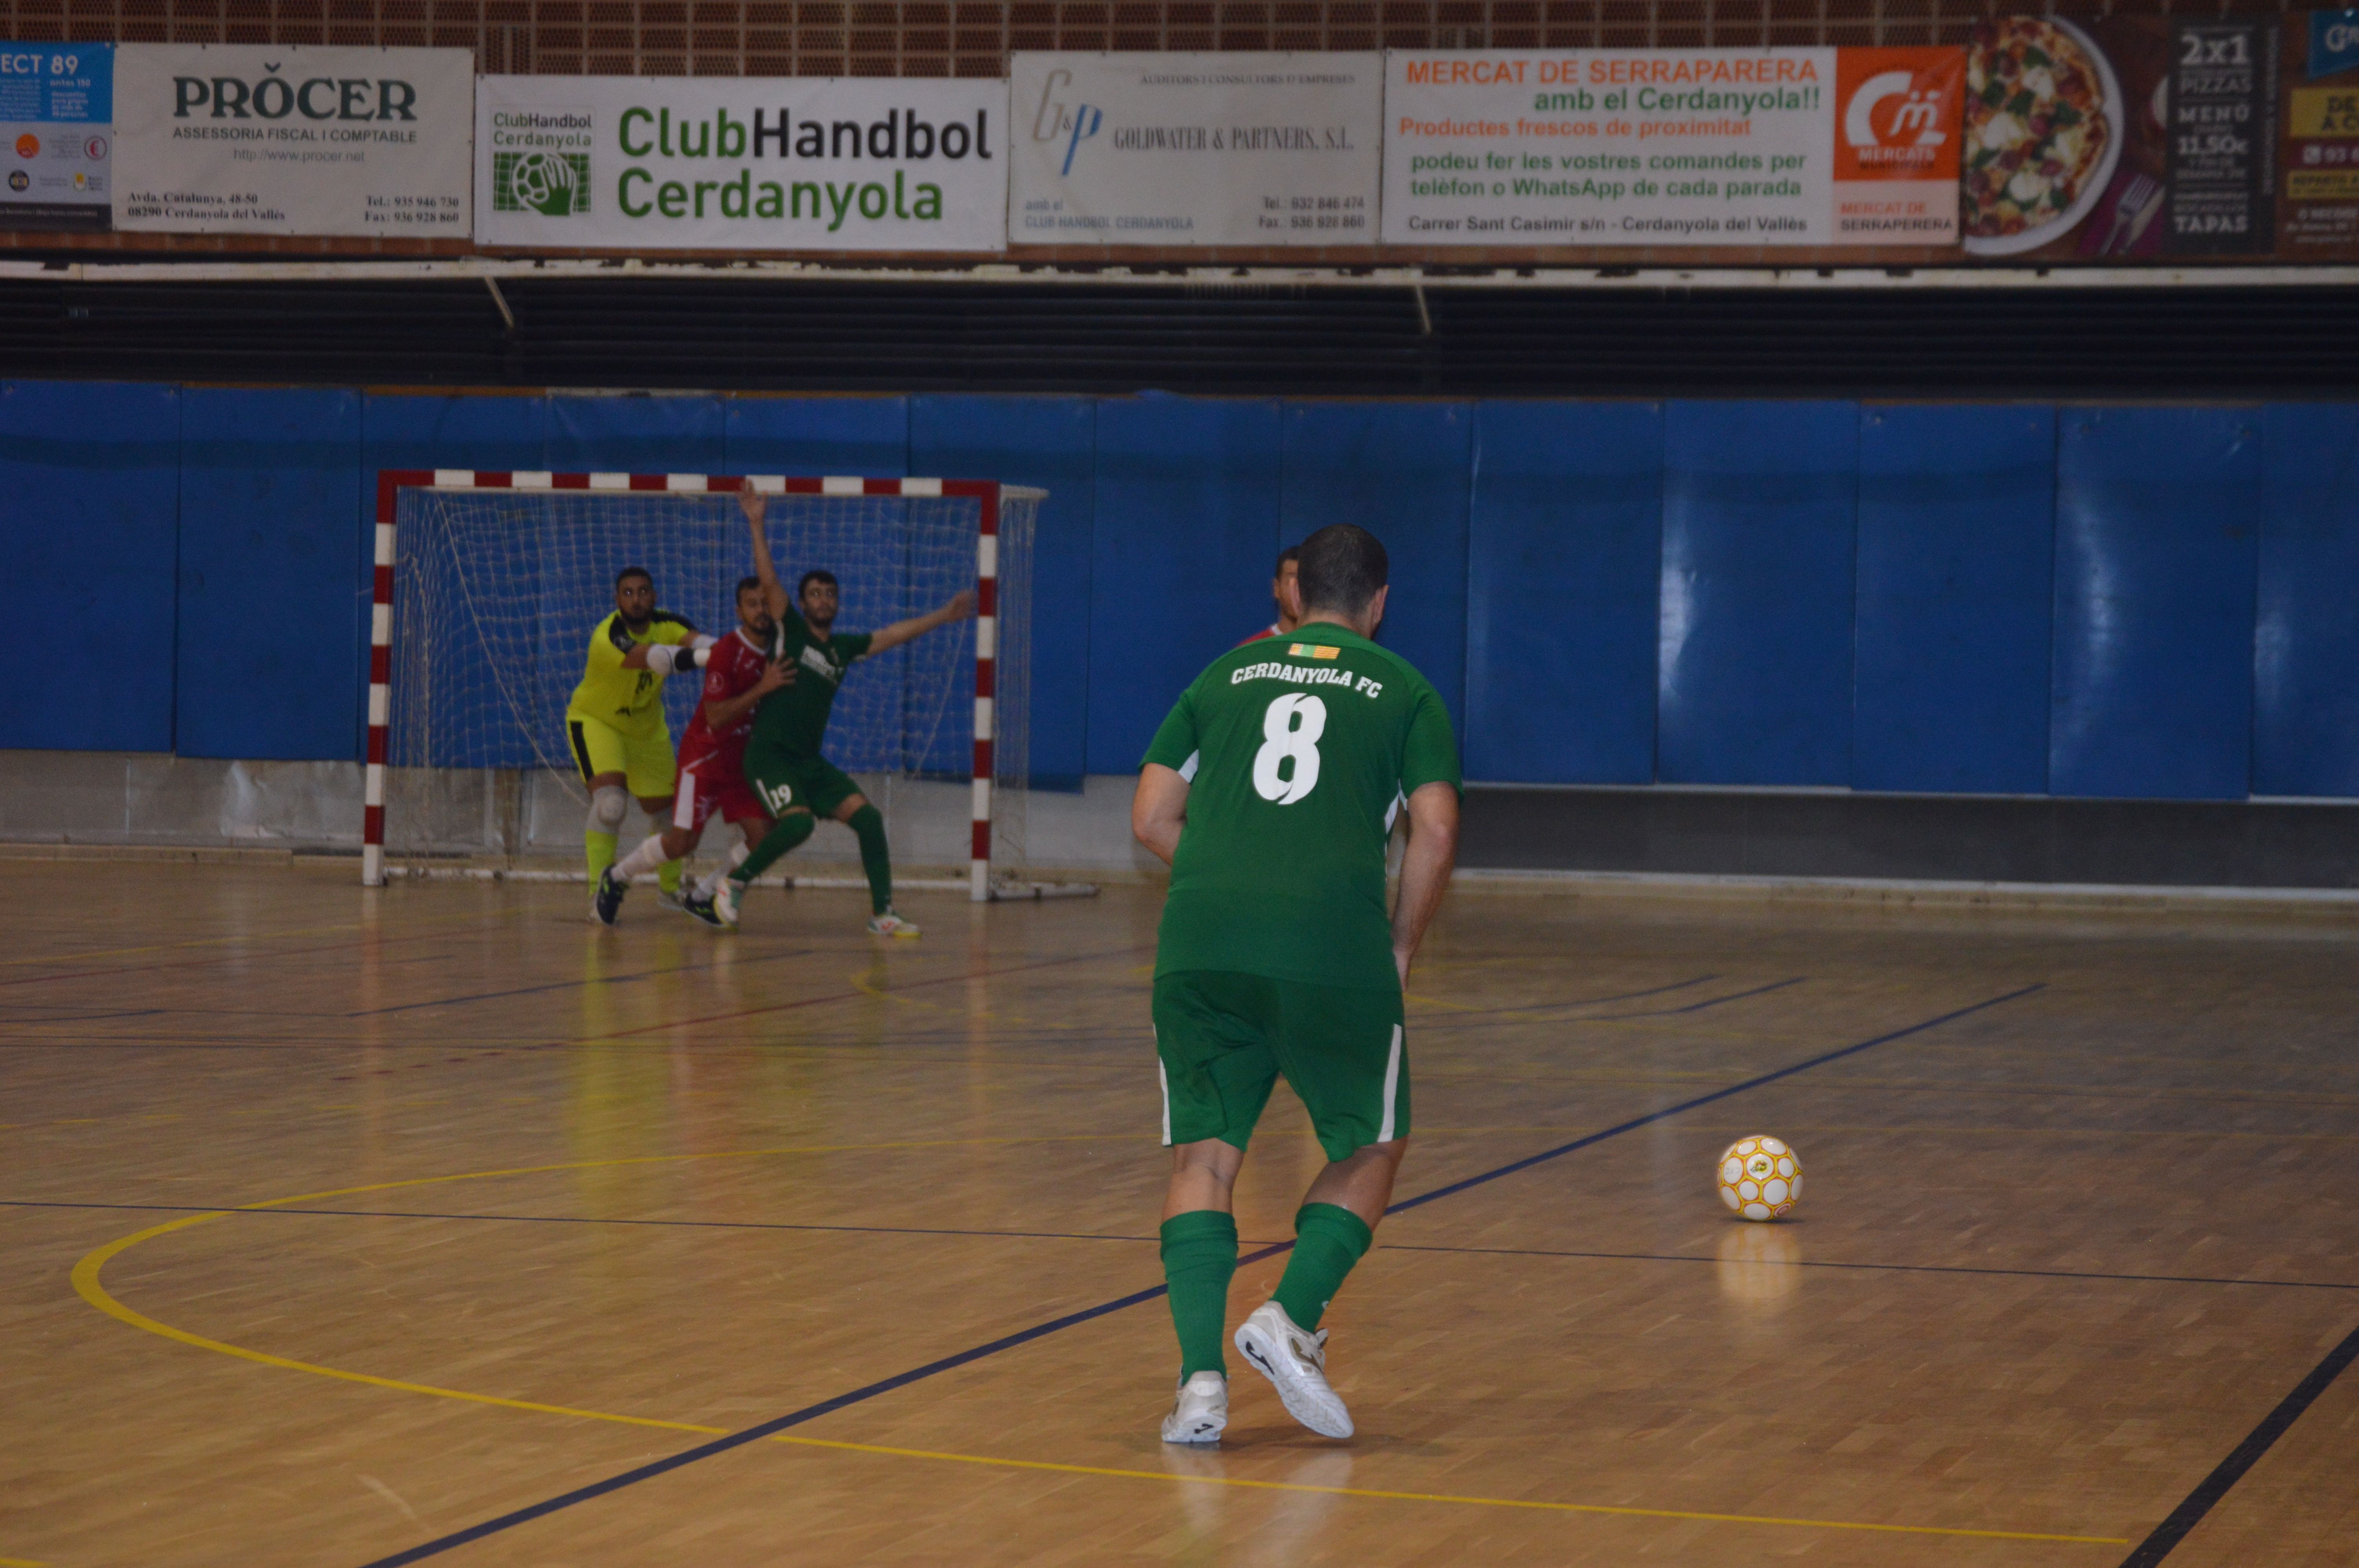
[(271, 140), (1196, 150), (1770, 147), (740, 164)]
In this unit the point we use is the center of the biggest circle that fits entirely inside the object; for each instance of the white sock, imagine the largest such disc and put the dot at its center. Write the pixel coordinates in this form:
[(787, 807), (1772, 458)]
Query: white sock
[(711, 882), (642, 860)]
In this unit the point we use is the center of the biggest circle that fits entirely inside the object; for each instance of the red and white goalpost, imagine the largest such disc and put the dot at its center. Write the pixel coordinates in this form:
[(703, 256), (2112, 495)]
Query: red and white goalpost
[(984, 765)]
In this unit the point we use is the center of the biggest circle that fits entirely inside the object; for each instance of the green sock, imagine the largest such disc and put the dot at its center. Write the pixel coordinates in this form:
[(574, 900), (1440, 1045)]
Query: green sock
[(869, 823), (784, 835), (1327, 1241), (1200, 1253), (667, 876), (600, 849)]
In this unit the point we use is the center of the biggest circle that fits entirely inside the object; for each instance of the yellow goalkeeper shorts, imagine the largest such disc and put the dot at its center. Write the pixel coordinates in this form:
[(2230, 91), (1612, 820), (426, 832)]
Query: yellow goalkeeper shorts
[(644, 758)]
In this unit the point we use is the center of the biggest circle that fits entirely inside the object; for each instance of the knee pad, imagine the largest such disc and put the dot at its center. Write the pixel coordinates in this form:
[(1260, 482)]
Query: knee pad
[(608, 808)]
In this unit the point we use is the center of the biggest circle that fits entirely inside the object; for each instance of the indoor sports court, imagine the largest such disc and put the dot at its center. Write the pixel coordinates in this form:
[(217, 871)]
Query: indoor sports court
[(1225, 784), (434, 1224)]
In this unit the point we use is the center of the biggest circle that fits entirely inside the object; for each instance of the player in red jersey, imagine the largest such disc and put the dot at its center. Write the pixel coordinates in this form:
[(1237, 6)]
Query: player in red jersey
[(739, 672), (1283, 591)]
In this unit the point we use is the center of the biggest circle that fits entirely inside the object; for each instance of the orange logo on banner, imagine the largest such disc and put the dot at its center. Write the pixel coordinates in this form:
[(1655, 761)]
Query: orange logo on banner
[(1898, 113), (29, 146)]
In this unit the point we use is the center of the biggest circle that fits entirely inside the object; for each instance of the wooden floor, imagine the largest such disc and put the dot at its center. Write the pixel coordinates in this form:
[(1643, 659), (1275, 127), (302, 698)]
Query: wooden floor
[(348, 1229)]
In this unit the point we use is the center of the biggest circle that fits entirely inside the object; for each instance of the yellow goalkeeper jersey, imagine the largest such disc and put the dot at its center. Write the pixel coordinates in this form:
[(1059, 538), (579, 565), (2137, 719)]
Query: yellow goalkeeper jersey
[(628, 700)]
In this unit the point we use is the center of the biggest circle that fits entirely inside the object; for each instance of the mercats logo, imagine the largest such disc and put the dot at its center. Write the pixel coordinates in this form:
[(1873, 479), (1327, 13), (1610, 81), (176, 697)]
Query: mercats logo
[(555, 185)]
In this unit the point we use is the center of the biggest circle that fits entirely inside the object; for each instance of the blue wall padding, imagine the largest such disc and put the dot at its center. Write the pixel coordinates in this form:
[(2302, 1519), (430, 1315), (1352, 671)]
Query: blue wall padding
[(1048, 442), (868, 436), (91, 473), (273, 623), (637, 434), (1957, 550), (1186, 526), (1754, 676), (2306, 644), (1564, 562), (2157, 514), (405, 430), (1398, 469)]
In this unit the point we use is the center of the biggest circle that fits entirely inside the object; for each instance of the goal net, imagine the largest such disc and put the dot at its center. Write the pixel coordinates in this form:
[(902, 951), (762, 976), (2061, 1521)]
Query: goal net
[(490, 585)]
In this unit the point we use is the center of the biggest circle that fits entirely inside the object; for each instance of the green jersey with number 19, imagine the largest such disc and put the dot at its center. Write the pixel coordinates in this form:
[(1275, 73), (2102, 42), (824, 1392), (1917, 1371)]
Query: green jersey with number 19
[(1299, 750)]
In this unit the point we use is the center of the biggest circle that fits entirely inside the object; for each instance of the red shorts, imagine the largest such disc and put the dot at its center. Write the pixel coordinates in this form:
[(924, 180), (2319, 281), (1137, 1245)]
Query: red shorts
[(708, 784)]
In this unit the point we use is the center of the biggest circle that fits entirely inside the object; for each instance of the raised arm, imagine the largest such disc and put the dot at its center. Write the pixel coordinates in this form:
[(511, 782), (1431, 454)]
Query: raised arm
[(753, 503), (1425, 867), (958, 607)]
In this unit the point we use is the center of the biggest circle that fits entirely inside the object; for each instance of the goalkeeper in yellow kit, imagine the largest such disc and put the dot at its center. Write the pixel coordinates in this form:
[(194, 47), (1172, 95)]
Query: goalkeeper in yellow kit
[(614, 720)]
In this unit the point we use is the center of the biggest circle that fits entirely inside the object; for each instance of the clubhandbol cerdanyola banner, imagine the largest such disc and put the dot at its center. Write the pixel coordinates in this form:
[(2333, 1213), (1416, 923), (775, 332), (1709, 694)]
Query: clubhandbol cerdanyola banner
[(266, 139), (807, 163), (1600, 147)]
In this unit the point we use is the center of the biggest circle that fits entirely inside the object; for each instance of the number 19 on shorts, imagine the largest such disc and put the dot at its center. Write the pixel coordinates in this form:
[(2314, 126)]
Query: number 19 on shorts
[(1290, 732)]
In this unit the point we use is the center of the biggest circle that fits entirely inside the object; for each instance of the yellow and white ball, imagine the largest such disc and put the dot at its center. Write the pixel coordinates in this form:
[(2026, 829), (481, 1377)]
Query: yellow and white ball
[(1760, 1178)]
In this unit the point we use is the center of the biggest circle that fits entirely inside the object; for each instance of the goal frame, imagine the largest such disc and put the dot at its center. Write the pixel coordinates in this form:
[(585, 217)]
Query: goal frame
[(391, 483)]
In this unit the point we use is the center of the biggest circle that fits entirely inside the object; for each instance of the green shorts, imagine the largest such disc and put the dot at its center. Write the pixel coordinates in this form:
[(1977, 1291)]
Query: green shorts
[(1223, 1039), (783, 784)]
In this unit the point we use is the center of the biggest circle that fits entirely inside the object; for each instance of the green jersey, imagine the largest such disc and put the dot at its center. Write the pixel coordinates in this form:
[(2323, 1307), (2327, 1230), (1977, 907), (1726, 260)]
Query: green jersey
[(1297, 751), (792, 721)]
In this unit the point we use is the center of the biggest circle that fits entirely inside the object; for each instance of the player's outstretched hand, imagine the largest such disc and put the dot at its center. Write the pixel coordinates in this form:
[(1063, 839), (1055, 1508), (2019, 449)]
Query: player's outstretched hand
[(774, 674), (751, 503), (959, 606)]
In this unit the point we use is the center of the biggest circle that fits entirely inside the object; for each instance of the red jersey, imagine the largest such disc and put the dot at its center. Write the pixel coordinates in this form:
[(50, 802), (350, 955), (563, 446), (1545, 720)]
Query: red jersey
[(1269, 631), (730, 671)]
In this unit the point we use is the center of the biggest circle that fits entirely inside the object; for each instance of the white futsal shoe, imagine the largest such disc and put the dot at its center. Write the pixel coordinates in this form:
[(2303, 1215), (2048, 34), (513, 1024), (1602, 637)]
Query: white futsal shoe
[(891, 924), (1295, 1365), (724, 902), (1200, 1414)]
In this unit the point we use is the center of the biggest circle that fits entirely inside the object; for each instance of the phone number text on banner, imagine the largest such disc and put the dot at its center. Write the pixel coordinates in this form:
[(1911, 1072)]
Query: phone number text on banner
[(1775, 147)]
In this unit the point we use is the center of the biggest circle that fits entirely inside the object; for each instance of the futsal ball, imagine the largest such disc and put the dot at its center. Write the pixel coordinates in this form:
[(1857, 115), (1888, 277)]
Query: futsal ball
[(1760, 1178)]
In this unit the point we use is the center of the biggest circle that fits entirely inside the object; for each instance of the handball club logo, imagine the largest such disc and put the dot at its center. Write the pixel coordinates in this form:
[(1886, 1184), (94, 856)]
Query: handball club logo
[(555, 185)]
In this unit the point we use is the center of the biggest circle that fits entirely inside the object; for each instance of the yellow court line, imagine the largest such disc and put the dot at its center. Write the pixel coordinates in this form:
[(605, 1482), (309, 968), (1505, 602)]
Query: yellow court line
[(88, 1285), (20, 1562)]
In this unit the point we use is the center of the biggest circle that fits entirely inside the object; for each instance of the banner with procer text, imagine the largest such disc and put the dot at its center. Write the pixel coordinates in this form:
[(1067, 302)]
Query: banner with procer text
[(293, 139), (1817, 148)]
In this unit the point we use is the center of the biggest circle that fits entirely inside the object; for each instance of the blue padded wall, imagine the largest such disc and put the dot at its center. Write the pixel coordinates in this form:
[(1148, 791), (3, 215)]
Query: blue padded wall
[(864, 436), (2157, 514), (1049, 442), (1564, 564), (92, 474), (2306, 644), (403, 431), (1188, 499), (1754, 682), (1398, 469), (273, 621), (1957, 549), (636, 435)]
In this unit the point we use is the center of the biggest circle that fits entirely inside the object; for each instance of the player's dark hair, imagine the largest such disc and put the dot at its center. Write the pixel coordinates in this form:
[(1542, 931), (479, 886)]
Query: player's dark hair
[(627, 573), (813, 576), (745, 582), (1291, 553), (1342, 566)]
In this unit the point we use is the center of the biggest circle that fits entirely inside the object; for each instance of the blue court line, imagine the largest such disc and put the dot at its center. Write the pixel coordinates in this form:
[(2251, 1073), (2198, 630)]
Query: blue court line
[(1024, 1336), (1693, 1006), (1883, 1268), (2208, 1492), (574, 985), (1492, 1013)]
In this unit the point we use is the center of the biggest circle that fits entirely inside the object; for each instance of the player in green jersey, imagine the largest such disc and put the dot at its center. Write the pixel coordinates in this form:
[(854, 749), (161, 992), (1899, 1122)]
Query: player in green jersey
[(1271, 791), (783, 765)]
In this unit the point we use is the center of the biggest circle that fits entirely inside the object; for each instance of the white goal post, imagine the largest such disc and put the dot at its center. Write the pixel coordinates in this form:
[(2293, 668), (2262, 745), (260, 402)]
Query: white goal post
[(487, 585)]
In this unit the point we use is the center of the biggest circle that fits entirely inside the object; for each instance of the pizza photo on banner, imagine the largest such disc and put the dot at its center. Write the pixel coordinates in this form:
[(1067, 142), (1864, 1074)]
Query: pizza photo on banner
[(2120, 138)]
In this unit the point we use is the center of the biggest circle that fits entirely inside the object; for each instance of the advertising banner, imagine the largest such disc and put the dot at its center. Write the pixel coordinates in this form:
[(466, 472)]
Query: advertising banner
[(742, 164), (272, 139), (1771, 147), (56, 114), (2121, 138), (2318, 209), (1197, 149)]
